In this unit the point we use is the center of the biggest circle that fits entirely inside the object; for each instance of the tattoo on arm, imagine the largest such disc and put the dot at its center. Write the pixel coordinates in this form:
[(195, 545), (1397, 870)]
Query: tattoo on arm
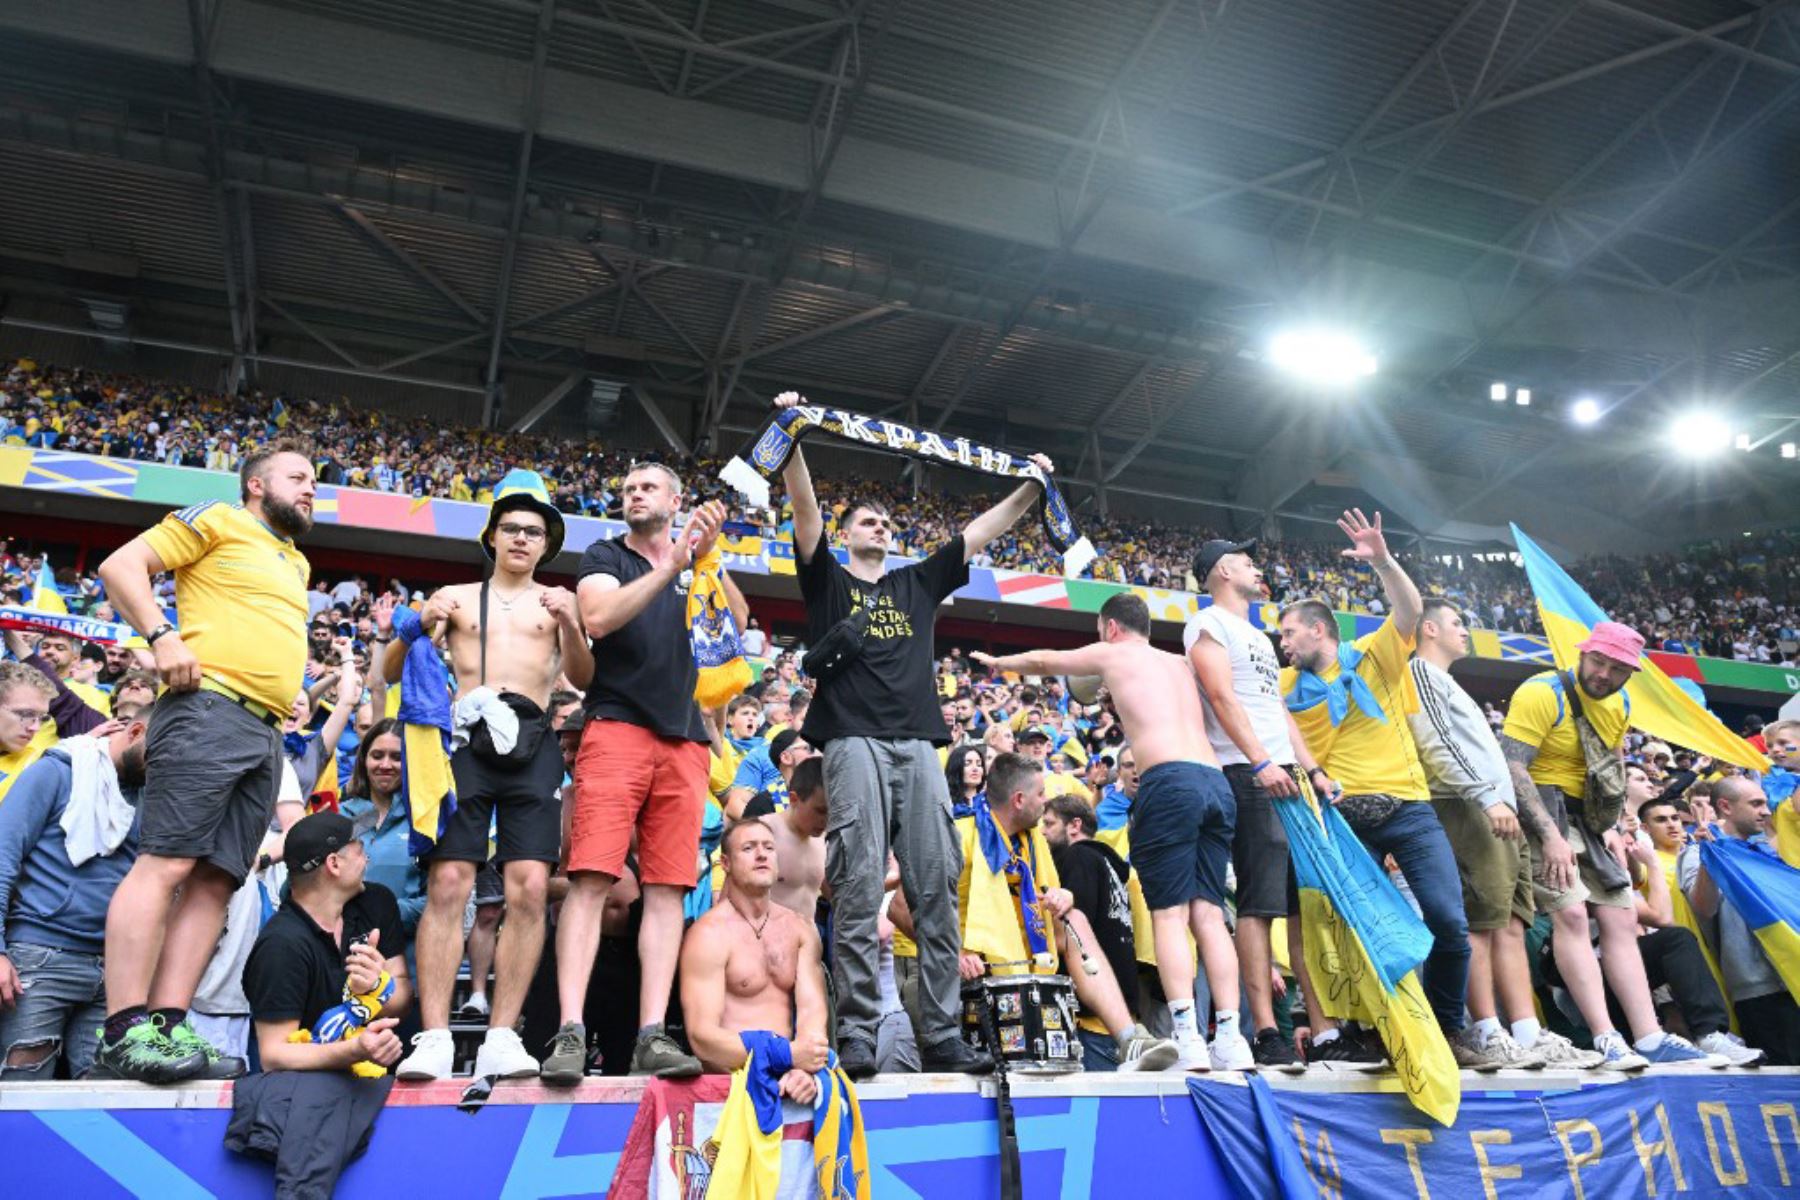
[(1532, 813)]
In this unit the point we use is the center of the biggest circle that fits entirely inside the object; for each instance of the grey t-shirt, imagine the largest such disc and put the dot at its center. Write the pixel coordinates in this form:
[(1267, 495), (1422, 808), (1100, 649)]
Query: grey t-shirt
[(1747, 970)]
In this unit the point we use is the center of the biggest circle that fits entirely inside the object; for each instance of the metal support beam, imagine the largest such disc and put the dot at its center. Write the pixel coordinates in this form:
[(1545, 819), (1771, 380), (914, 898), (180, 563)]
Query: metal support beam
[(551, 399), (534, 104), (349, 358), (878, 314), (659, 418), (1174, 405), (200, 28), (362, 224)]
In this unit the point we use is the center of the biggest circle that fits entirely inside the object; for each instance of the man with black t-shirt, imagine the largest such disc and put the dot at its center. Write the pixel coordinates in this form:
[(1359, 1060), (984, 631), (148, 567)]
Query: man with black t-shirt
[(642, 767), (1098, 878), (334, 930), (878, 722)]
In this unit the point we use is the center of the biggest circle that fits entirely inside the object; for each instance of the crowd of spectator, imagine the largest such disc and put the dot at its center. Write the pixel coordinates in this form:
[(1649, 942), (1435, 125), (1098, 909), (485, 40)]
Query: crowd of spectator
[(1726, 599)]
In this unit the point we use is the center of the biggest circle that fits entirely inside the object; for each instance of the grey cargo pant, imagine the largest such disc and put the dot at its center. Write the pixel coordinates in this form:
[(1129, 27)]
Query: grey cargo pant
[(884, 790)]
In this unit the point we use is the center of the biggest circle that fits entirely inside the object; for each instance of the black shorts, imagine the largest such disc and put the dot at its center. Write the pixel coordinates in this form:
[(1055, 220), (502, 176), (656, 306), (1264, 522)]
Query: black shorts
[(212, 773), (525, 801), (489, 887), (1259, 848), (1181, 826)]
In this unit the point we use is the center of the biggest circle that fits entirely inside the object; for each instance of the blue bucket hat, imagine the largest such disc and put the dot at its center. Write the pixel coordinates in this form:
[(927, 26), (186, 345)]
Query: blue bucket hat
[(522, 489)]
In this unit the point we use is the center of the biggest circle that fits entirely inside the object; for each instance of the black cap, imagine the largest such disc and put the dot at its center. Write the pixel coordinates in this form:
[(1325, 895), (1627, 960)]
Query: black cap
[(315, 838), (1034, 733), (780, 744), (1209, 554)]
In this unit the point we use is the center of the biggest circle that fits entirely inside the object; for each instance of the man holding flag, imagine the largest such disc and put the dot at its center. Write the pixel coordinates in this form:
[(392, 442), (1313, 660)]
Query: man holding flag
[(1767, 1012)]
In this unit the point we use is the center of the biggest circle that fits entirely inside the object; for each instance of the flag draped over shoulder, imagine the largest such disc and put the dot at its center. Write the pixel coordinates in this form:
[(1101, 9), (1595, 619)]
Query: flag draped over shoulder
[(1364, 946), (1658, 706), (1766, 893), (424, 716)]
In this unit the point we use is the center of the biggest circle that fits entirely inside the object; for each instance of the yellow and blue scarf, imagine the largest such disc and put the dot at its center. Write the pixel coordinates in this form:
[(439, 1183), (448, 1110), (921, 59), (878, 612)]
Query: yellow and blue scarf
[(425, 778), (994, 925), (749, 1131), (1339, 694), (713, 631)]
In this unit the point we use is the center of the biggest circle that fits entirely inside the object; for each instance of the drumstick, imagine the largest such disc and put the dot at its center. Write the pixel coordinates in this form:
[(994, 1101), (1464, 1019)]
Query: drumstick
[(1087, 960)]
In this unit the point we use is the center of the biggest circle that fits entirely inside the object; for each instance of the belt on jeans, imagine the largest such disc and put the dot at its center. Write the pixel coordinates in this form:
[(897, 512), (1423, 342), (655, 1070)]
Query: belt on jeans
[(261, 712)]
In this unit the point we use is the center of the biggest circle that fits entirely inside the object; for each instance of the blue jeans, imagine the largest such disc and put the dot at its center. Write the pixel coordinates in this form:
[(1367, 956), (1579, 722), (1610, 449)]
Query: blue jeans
[(1422, 851), (62, 1007), (1098, 1051)]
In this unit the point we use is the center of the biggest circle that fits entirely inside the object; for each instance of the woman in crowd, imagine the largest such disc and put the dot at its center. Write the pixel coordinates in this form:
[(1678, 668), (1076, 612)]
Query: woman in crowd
[(966, 772), (374, 802)]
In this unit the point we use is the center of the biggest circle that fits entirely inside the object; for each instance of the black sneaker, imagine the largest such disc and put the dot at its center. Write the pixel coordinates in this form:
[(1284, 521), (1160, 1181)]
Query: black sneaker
[(1346, 1052), (186, 1038), (856, 1060), (955, 1056), (1274, 1054), (145, 1054)]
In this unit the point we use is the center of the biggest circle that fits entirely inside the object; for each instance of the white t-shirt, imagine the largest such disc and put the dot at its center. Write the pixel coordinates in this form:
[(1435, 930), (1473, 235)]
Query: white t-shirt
[(1255, 678)]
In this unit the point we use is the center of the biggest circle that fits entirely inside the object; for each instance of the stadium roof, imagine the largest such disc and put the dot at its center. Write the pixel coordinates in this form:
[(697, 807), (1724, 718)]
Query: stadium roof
[(1069, 223)]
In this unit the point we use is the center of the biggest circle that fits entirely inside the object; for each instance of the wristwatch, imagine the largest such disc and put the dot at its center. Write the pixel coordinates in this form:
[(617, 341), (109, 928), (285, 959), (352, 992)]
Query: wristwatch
[(150, 638)]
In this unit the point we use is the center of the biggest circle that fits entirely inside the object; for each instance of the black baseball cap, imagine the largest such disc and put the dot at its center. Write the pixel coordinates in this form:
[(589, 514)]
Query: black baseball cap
[(1034, 733), (1209, 554), (781, 743), (315, 838)]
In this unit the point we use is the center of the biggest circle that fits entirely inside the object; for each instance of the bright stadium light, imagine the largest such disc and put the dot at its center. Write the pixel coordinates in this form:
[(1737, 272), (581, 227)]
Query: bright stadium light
[(1321, 356), (1586, 411), (1699, 434), (1788, 449), (1523, 396), (1497, 391), (1741, 442)]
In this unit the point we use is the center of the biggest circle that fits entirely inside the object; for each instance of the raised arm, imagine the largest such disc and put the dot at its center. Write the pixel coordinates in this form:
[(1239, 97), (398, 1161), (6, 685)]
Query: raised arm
[(1089, 660), (1002, 516), (809, 522), (1369, 545)]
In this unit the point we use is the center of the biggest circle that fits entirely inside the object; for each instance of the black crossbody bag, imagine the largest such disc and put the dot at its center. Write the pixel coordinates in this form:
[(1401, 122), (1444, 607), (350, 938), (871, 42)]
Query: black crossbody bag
[(841, 646), (533, 721)]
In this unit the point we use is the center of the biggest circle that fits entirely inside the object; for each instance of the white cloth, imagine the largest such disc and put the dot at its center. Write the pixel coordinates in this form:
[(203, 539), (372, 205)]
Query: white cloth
[(97, 818), (1255, 680), (484, 704)]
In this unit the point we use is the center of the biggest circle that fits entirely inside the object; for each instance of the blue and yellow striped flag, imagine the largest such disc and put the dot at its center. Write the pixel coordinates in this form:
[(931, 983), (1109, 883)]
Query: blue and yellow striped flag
[(1766, 893), (44, 596), (1658, 706)]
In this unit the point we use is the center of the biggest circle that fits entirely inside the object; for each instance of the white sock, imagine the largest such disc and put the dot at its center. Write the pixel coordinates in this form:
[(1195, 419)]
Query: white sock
[(1650, 1043), (1225, 1024), (1526, 1032), (1485, 1029), (1181, 1015), (1326, 1038)]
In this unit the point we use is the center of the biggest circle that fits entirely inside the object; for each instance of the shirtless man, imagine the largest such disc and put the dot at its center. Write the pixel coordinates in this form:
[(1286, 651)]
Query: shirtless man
[(534, 635), (1181, 821), (799, 831), (751, 964)]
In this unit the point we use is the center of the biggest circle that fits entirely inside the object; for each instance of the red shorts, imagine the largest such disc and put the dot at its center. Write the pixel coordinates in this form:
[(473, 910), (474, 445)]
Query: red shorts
[(627, 778)]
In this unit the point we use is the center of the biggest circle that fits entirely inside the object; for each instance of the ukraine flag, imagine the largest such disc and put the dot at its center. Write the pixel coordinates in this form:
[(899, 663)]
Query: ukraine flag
[(1766, 893), (1363, 945), (44, 596), (1658, 706)]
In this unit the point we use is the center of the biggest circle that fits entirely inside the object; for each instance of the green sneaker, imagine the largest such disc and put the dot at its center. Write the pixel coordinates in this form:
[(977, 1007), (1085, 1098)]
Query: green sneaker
[(187, 1040), (145, 1054)]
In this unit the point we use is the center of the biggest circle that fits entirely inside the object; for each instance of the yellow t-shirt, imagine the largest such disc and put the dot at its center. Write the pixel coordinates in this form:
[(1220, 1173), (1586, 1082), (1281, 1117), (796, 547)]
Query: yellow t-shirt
[(13, 765), (1061, 784), (1043, 870), (241, 592), (1363, 755), (1539, 715), (96, 699)]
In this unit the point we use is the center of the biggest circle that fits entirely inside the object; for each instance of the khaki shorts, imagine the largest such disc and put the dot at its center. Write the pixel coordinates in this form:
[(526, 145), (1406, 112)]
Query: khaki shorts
[(1587, 888), (1496, 873)]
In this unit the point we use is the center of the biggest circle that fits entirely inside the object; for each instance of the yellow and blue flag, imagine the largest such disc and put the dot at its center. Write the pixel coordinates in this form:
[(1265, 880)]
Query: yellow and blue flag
[(279, 411), (1364, 944), (44, 596), (424, 716), (1658, 706), (1766, 893), (748, 1166)]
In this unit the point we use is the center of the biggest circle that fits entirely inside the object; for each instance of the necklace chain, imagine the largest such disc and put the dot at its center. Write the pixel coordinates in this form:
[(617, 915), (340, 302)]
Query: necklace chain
[(506, 604)]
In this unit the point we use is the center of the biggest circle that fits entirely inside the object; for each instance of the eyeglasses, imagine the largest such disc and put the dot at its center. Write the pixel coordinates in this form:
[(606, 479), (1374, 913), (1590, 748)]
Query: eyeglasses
[(531, 533), (30, 718)]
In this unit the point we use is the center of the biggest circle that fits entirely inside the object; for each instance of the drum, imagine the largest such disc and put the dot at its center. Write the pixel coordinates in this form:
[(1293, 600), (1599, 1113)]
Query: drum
[(1034, 1016)]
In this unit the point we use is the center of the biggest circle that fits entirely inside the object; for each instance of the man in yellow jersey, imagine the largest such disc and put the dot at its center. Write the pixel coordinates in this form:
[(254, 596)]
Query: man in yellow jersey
[(25, 695), (213, 748), (1574, 877), (1351, 702)]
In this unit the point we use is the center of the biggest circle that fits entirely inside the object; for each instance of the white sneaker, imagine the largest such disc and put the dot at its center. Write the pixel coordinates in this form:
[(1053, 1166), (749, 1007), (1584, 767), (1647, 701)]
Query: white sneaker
[(1555, 1050), (1230, 1052), (1194, 1055), (475, 1008), (502, 1055), (1731, 1048), (430, 1059)]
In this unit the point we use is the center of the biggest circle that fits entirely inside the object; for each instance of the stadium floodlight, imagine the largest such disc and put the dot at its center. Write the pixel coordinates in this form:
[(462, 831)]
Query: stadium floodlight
[(1788, 450), (1699, 434), (1741, 441), (1523, 396), (1586, 411), (1497, 391), (1321, 356)]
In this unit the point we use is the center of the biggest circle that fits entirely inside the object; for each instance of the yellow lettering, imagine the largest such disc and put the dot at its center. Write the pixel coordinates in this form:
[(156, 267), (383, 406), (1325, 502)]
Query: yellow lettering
[(1565, 1131), (1480, 1140), (1647, 1152), (1411, 1139), (1325, 1171), (1711, 1111), (1769, 1113)]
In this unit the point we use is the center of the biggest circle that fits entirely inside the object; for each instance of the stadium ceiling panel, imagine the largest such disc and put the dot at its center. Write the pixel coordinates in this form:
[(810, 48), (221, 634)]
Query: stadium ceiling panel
[(1083, 217)]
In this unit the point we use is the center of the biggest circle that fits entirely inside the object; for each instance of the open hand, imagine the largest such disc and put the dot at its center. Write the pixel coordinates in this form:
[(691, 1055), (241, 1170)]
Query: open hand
[(1367, 543)]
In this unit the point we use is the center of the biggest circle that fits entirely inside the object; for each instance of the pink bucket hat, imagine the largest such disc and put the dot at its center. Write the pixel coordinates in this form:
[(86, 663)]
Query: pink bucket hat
[(1621, 643)]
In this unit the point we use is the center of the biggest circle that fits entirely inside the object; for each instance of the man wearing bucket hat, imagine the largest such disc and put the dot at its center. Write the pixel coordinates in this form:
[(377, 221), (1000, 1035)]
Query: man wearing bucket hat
[(1550, 768), (509, 638)]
